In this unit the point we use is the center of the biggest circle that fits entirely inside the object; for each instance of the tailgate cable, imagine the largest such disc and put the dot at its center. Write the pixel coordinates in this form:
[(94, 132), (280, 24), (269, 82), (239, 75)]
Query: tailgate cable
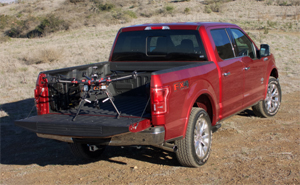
[(36, 100), (135, 127)]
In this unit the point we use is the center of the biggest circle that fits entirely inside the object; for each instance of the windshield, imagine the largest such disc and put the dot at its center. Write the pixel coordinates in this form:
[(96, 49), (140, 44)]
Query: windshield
[(159, 45)]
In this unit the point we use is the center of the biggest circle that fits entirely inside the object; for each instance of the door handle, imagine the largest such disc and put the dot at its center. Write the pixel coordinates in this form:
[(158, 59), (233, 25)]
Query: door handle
[(246, 68), (226, 74)]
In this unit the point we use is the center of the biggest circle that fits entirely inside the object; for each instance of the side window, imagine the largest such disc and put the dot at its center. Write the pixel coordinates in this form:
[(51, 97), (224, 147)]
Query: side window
[(244, 46), (222, 43)]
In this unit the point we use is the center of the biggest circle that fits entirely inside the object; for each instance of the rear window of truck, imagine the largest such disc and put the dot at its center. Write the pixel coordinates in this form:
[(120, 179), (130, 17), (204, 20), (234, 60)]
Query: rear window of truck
[(159, 45)]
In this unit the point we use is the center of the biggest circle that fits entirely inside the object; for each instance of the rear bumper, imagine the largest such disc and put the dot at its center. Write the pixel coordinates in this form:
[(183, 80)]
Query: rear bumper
[(151, 136)]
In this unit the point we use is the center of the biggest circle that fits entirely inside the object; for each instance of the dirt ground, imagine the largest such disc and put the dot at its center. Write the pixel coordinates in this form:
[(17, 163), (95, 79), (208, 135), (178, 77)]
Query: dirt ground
[(246, 150)]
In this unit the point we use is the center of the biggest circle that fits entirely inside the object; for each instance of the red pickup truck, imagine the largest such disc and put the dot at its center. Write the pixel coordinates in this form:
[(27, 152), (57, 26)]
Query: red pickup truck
[(166, 85)]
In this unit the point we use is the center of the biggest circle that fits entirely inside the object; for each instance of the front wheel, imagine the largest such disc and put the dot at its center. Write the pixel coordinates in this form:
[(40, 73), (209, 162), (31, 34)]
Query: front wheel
[(194, 149), (270, 105)]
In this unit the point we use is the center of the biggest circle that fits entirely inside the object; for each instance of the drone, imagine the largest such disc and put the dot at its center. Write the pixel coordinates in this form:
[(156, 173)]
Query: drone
[(98, 86)]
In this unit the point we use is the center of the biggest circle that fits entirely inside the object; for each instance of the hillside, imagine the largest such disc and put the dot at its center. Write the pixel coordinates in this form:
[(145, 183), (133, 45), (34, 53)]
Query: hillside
[(80, 32)]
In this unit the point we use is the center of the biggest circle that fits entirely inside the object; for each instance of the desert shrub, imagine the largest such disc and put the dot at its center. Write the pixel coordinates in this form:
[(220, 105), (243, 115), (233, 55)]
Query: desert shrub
[(287, 2), (76, 1), (269, 2), (147, 13), (266, 30), (6, 21), (207, 2), (124, 16), (51, 24), (207, 9), (215, 7), (14, 32), (106, 7), (98, 6), (271, 24), (169, 8), (130, 13), (43, 56), (288, 25), (187, 10), (4, 38)]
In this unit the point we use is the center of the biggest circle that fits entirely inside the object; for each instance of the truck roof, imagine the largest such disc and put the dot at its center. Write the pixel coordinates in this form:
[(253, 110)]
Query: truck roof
[(173, 25)]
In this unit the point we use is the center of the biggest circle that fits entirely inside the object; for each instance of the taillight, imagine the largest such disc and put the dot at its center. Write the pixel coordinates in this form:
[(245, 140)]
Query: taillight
[(159, 97), (41, 95)]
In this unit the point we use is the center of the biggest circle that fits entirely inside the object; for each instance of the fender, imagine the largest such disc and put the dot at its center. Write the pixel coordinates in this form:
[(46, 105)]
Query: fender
[(270, 68), (197, 89)]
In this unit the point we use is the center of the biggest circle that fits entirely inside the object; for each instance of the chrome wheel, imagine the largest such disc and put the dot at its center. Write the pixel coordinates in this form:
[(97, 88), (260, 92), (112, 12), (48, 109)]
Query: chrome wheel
[(201, 138), (272, 100), (194, 149)]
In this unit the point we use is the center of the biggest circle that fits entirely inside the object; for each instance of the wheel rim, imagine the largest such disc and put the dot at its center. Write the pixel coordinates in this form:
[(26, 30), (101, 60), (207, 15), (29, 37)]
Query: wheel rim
[(201, 138), (272, 100)]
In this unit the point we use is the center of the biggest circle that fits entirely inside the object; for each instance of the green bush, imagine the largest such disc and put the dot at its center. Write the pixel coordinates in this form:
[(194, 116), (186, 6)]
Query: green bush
[(52, 24), (207, 2), (76, 1), (266, 30), (271, 24), (6, 21), (169, 8), (130, 14), (124, 16), (287, 2), (187, 10), (106, 7), (207, 9), (215, 7)]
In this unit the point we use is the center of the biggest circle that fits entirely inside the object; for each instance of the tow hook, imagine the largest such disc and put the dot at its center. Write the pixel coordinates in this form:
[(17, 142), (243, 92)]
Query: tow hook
[(93, 148)]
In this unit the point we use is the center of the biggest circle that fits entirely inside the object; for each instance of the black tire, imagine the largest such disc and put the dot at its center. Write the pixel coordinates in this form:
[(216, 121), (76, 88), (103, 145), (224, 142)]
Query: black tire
[(188, 150), (271, 104), (82, 151)]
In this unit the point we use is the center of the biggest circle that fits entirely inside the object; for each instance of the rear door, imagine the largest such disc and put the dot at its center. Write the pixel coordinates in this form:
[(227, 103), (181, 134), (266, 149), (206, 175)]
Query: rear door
[(232, 74), (252, 67)]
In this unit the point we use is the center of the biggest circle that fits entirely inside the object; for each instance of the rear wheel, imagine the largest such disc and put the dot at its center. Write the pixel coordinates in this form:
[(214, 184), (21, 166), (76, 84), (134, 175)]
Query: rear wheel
[(83, 151), (270, 105), (194, 149)]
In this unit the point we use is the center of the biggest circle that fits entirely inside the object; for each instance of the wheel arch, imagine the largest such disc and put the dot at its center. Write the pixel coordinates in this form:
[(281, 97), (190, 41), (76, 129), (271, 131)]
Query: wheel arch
[(274, 73), (206, 100)]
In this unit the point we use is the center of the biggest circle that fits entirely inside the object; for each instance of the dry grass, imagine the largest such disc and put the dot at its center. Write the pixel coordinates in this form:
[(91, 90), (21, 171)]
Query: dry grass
[(43, 56)]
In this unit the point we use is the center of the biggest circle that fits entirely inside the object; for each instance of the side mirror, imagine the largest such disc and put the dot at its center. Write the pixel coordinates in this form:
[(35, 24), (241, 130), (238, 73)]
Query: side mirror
[(264, 50)]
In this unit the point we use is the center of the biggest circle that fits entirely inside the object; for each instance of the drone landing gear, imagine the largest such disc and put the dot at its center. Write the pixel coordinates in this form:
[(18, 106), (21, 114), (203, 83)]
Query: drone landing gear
[(96, 103)]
